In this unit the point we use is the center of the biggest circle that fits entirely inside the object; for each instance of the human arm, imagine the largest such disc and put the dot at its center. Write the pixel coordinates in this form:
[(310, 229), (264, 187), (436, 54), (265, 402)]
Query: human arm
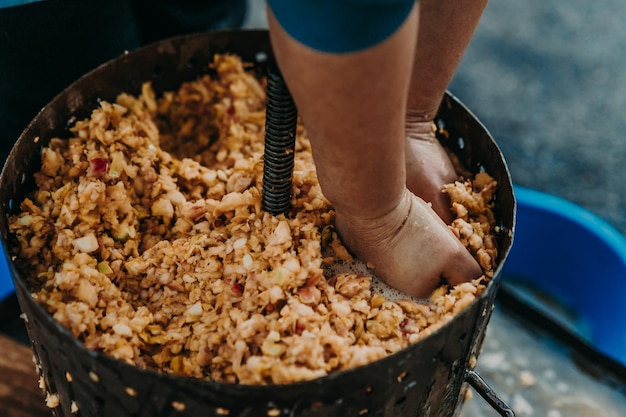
[(353, 106), (445, 30)]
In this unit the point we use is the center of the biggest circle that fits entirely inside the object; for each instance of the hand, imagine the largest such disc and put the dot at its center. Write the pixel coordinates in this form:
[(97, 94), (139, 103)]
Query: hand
[(410, 248), (428, 167)]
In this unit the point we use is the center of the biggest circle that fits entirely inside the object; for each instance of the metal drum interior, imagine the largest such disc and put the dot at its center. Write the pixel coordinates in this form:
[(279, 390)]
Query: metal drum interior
[(425, 379)]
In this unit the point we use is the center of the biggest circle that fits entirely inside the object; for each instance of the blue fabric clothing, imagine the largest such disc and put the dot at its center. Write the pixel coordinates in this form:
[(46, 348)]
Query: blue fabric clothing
[(11, 3), (340, 26)]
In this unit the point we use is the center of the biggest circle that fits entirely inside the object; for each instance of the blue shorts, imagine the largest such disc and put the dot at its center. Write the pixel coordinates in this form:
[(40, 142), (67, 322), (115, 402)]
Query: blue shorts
[(340, 26)]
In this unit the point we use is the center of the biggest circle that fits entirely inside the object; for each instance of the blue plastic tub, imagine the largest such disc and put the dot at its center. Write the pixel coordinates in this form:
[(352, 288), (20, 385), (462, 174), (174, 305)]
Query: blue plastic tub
[(6, 283), (571, 264)]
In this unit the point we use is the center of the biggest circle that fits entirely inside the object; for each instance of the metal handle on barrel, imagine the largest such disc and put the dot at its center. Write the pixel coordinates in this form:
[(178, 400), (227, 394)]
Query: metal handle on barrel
[(485, 391)]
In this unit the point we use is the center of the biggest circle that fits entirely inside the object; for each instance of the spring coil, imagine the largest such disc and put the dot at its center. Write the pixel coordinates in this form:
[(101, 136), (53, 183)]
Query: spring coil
[(280, 140)]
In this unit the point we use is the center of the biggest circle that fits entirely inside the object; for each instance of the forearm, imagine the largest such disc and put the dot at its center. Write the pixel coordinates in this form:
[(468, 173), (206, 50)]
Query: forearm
[(353, 106), (445, 30)]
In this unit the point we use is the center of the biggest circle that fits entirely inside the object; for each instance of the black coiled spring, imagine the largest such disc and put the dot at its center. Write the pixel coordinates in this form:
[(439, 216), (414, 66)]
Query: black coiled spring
[(280, 140)]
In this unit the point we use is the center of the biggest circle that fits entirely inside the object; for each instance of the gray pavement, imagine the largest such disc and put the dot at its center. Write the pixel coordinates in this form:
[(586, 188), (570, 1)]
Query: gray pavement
[(547, 78)]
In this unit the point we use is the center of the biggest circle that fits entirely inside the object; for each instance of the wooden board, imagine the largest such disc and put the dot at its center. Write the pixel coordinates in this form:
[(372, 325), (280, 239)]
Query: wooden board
[(20, 395)]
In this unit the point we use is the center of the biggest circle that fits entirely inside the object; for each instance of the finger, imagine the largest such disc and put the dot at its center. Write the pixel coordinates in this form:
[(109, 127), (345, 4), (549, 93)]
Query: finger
[(464, 268), (423, 286)]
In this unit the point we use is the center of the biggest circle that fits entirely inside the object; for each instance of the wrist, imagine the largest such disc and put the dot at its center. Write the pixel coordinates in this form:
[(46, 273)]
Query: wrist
[(366, 205), (369, 192), (420, 126), (423, 107), (421, 116), (380, 225)]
